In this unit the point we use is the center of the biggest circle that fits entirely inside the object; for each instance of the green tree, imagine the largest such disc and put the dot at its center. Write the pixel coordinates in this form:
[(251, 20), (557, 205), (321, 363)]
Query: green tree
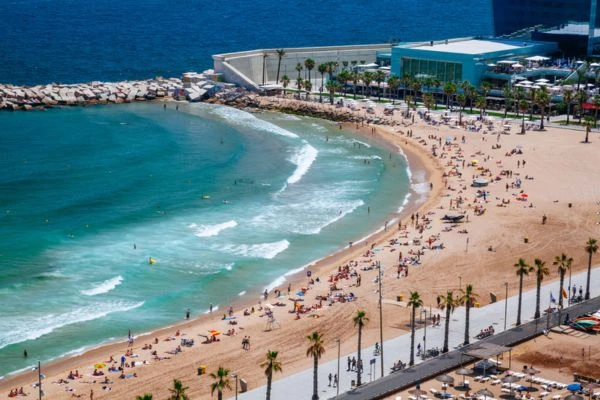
[(588, 122), (405, 80), (221, 382), (146, 396), (280, 54), (582, 97), (532, 100), (299, 85), (416, 88), (540, 272), (394, 84), (462, 102), (447, 302), (542, 100), (360, 319), (428, 101), (507, 93), (271, 365), (355, 77), (596, 104), (519, 94), (332, 87), (367, 78), (285, 80), (567, 100), (308, 86), (468, 298), (343, 78), (449, 90), (481, 103), (379, 77), (436, 84), (309, 64), (178, 391), (299, 68), (414, 302), (591, 247), (523, 269), (564, 264), (315, 350), (322, 68)]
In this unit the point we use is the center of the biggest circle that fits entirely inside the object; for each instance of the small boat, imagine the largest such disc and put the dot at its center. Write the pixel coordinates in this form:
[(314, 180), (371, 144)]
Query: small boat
[(151, 261)]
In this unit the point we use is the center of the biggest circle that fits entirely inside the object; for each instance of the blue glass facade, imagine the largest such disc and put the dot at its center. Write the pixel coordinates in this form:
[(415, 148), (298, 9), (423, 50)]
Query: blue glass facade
[(512, 15)]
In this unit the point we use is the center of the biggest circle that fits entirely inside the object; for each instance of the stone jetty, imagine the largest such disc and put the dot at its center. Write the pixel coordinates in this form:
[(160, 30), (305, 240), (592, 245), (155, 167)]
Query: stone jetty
[(191, 86)]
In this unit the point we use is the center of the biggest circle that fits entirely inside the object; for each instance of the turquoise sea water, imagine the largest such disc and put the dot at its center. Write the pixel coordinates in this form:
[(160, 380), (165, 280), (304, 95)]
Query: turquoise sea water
[(225, 201)]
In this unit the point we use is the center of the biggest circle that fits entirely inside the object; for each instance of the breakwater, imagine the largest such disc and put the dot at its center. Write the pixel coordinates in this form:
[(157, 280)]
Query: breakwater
[(191, 86)]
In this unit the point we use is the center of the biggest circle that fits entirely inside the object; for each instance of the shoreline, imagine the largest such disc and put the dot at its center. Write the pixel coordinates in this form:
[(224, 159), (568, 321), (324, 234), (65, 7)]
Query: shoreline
[(417, 160)]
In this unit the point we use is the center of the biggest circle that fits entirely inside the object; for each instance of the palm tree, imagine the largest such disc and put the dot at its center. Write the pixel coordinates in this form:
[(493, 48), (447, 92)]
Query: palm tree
[(322, 68), (280, 54), (462, 102), (588, 122), (147, 396), (299, 68), (567, 100), (272, 365), (414, 302), (428, 101), (343, 78), (309, 63), (522, 269), (582, 97), (394, 84), (468, 298), (564, 264), (178, 391), (416, 87), (449, 303), (449, 90), (285, 80), (507, 93), (356, 77), (542, 101), (519, 98), (379, 78), (540, 272), (315, 350), (481, 103), (332, 87), (265, 55), (405, 80), (367, 78), (532, 93), (591, 247), (596, 103), (221, 382), (436, 84), (299, 85), (360, 319)]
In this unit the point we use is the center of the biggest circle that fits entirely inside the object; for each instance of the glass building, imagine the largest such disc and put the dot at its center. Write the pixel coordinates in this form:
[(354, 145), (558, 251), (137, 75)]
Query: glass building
[(513, 15)]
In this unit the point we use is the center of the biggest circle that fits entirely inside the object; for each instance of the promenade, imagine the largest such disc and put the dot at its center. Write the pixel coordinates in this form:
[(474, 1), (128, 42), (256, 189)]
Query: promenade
[(398, 348)]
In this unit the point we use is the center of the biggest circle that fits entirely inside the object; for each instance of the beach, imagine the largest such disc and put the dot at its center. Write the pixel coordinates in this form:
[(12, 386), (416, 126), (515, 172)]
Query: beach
[(557, 179)]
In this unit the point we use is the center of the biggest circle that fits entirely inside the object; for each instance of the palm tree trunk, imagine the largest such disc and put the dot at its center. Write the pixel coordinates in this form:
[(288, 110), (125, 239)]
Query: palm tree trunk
[(537, 299), (359, 361), (568, 109), (587, 136), (560, 296), (269, 380), (542, 122), (412, 338), (446, 331), (278, 70), (467, 316), (589, 275), (520, 294), (315, 395), (219, 395)]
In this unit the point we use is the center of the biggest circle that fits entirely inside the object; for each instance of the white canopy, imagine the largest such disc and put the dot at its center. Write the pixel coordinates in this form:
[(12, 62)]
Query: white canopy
[(537, 58), (517, 65), (509, 62), (542, 80)]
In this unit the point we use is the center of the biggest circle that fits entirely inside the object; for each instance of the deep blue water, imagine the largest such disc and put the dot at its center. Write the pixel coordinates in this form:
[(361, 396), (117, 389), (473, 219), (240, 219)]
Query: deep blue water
[(68, 41)]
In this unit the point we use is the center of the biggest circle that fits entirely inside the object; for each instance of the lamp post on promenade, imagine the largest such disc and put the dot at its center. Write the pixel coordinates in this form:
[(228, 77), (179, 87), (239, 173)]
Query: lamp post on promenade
[(338, 368), (505, 303), (236, 385), (425, 335)]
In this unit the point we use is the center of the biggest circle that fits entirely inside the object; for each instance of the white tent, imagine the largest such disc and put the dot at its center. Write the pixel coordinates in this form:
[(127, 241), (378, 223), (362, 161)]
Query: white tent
[(542, 80), (537, 58), (508, 62)]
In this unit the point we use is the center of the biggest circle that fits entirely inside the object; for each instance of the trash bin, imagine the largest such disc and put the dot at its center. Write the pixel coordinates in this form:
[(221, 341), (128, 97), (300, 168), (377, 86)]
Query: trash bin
[(202, 370), (400, 297)]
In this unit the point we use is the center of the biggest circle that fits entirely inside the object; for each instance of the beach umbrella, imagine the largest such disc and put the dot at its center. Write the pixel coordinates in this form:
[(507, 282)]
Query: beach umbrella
[(99, 365), (444, 378), (510, 379), (573, 397), (574, 387), (463, 372), (214, 332), (418, 392), (485, 393)]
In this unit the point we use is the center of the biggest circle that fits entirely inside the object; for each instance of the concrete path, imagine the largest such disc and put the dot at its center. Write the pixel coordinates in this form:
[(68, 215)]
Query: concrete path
[(398, 348)]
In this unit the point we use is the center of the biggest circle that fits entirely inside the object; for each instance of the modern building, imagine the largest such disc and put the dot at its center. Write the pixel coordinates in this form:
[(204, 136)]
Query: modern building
[(572, 38), (513, 15), (460, 60)]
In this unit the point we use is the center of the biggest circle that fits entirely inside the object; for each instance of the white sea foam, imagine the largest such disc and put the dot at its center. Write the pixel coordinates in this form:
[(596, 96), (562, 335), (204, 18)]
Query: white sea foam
[(275, 284), (261, 250), (243, 292), (367, 145), (212, 230), (373, 157), (303, 159), (239, 117), (19, 329), (104, 287), (215, 308)]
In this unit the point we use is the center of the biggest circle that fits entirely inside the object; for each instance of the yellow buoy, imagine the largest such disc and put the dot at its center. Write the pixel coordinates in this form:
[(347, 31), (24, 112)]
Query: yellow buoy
[(151, 261)]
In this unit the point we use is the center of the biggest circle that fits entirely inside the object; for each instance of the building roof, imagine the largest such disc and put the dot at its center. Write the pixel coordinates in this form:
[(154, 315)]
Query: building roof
[(472, 46), (573, 28)]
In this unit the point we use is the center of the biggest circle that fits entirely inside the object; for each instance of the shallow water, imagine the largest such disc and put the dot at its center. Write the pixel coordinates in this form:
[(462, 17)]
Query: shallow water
[(225, 202)]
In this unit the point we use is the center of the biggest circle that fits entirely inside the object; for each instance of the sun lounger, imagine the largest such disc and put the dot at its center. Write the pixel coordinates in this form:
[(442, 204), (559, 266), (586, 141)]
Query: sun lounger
[(543, 394), (505, 390), (412, 398), (556, 397), (496, 382), (478, 378), (433, 391)]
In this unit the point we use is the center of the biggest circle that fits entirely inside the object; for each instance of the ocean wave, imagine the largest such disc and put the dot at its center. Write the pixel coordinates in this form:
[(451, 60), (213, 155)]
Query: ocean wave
[(261, 250), (19, 329), (365, 157), (303, 159), (275, 284), (103, 287), (344, 209), (367, 145), (239, 117), (212, 230)]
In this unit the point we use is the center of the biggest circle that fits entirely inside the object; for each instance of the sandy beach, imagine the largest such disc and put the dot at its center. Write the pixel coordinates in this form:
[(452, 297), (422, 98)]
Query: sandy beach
[(556, 172)]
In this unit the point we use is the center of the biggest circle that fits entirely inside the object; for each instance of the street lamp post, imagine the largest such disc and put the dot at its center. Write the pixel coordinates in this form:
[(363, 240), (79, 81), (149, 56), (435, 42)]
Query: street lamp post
[(338, 368), (569, 294), (236, 385), (425, 335), (505, 303), (459, 282)]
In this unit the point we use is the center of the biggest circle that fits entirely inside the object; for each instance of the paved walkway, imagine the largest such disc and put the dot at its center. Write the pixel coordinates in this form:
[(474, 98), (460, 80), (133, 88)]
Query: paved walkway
[(399, 347)]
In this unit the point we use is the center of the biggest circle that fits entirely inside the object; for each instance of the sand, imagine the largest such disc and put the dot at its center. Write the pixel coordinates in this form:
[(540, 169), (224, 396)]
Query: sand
[(564, 171)]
